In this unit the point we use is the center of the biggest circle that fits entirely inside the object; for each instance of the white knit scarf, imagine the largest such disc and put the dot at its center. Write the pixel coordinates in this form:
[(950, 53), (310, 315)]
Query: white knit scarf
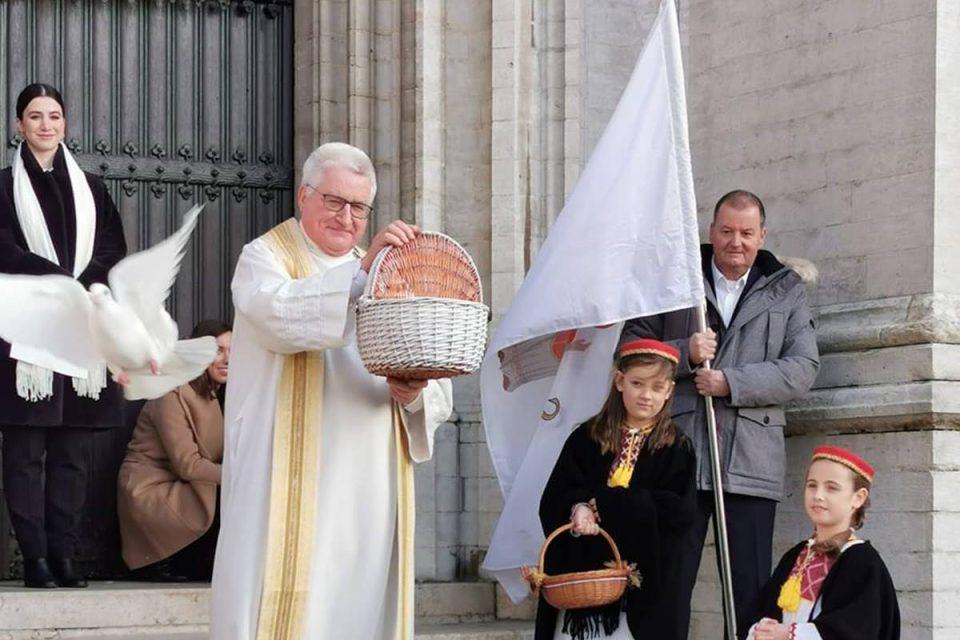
[(35, 366)]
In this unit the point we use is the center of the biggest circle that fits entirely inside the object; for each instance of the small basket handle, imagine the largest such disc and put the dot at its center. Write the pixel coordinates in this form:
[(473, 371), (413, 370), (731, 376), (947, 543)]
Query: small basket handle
[(375, 267), (568, 527)]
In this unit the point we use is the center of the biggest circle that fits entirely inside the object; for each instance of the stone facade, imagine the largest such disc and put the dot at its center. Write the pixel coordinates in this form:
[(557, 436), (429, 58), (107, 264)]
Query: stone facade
[(479, 116)]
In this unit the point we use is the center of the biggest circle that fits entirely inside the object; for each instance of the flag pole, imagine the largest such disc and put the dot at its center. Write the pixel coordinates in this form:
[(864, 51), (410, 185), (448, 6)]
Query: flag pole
[(720, 513)]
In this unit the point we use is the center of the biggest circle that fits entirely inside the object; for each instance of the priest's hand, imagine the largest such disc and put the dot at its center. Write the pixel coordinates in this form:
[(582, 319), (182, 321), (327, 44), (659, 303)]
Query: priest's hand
[(584, 521), (770, 629), (395, 234), (711, 382), (405, 391), (702, 347)]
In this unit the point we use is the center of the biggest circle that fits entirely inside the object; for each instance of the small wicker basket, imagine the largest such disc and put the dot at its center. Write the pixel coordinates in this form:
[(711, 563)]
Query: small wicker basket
[(421, 315), (584, 588)]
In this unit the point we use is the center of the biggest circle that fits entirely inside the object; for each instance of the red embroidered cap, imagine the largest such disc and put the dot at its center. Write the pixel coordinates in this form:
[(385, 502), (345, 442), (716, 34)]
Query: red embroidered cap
[(847, 458), (648, 345)]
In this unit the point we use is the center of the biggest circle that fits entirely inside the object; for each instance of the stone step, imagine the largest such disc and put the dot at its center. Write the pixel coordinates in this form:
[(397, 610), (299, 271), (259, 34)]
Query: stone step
[(464, 631), (107, 607), (500, 630), (151, 611), (461, 631), (451, 602), (104, 634)]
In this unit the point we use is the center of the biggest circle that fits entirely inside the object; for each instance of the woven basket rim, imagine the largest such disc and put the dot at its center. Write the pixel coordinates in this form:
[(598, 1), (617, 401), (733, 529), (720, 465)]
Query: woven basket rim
[(375, 269), (365, 299), (560, 579)]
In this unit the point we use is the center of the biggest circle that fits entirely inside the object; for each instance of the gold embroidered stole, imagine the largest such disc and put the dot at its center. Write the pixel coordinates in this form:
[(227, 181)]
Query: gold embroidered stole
[(294, 471), (406, 523)]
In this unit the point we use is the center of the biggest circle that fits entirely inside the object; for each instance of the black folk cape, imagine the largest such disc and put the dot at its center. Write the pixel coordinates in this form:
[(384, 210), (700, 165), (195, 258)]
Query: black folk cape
[(857, 600), (647, 520), (55, 195)]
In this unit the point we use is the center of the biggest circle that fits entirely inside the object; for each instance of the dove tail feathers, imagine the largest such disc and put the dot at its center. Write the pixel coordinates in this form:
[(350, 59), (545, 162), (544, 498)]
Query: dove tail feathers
[(188, 360)]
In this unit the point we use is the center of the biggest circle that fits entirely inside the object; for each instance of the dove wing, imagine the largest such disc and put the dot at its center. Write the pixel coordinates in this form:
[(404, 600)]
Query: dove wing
[(142, 281), (48, 313)]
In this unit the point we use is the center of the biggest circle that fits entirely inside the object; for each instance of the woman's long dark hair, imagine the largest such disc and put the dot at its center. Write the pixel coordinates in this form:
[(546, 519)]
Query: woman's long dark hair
[(605, 427), (38, 90), (204, 384)]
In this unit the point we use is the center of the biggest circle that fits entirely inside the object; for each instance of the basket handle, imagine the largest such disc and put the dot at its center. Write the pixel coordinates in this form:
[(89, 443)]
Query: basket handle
[(568, 527), (375, 267), (374, 270)]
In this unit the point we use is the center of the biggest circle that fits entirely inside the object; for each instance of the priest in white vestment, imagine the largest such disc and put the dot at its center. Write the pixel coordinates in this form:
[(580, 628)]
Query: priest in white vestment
[(316, 540)]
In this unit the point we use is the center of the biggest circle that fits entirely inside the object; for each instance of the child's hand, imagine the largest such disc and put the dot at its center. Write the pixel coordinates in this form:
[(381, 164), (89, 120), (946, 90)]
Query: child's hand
[(770, 629), (584, 521)]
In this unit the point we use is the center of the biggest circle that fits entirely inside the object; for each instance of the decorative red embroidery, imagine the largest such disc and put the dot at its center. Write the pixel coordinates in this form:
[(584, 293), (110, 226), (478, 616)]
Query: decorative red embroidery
[(813, 574), (631, 442)]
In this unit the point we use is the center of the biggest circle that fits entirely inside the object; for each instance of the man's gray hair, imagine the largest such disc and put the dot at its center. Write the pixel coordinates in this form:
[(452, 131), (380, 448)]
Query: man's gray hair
[(338, 154)]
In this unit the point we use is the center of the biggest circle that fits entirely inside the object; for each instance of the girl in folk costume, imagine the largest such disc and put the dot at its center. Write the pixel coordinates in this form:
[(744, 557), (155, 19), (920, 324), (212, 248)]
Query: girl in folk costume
[(833, 586), (54, 219), (631, 471)]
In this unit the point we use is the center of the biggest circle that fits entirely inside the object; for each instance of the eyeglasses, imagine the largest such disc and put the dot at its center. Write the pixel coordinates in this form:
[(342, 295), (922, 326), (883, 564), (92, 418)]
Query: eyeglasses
[(335, 204)]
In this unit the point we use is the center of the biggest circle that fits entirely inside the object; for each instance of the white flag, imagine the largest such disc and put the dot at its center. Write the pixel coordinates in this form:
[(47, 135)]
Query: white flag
[(625, 245)]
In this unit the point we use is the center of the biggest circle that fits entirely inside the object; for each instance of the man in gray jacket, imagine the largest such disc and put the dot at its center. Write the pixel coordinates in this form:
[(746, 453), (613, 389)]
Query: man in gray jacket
[(764, 350)]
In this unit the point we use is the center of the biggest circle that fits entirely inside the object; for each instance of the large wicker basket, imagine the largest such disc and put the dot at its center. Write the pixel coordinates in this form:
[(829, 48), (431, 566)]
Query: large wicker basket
[(421, 315), (584, 588)]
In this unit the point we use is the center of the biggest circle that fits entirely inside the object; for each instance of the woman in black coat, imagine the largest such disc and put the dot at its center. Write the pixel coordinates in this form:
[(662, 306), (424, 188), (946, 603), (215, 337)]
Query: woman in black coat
[(54, 219)]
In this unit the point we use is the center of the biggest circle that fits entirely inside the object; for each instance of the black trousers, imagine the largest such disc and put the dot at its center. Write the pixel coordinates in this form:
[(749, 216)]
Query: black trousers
[(45, 496), (750, 535)]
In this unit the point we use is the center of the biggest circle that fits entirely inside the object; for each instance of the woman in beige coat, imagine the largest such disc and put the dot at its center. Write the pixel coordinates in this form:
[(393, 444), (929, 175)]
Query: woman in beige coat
[(167, 493)]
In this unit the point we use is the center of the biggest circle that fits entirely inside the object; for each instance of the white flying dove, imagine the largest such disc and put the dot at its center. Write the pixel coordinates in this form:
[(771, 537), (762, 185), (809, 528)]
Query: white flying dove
[(124, 325)]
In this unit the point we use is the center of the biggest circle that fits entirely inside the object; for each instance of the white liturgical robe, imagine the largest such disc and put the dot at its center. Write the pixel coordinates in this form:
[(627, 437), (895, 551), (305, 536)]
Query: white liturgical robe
[(354, 575)]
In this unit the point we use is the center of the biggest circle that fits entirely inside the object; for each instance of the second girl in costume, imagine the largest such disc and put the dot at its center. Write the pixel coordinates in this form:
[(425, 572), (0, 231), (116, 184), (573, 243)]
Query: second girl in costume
[(833, 586)]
